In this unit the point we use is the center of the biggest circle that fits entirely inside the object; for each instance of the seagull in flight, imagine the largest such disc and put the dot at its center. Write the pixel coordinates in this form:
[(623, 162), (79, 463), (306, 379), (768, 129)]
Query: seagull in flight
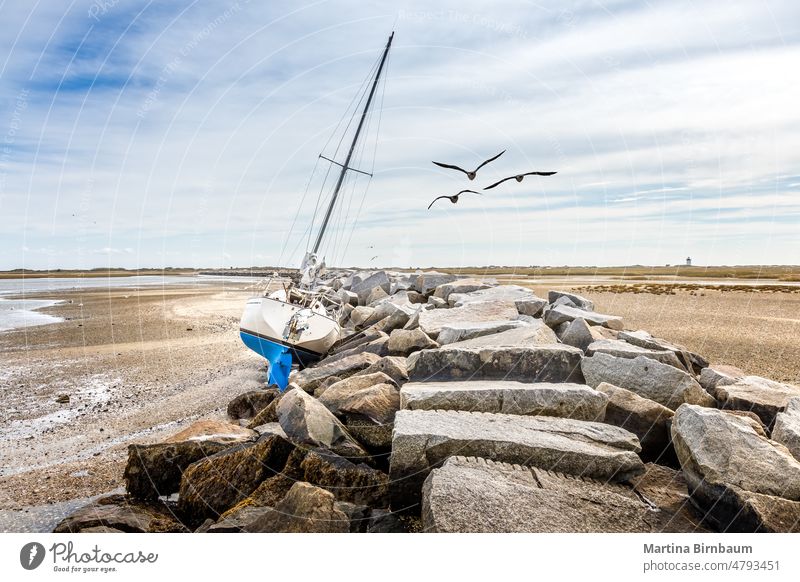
[(471, 175), (453, 198), (519, 178)]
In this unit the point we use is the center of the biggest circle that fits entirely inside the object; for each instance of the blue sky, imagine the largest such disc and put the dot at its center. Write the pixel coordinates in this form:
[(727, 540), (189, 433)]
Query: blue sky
[(145, 134)]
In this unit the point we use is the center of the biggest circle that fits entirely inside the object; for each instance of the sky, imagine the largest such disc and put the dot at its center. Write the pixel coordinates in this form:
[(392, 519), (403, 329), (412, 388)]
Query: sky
[(153, 134)]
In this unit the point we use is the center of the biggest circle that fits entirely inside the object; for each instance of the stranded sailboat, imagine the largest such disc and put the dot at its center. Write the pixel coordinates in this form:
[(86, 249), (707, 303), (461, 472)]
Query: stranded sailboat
[(292, 325)]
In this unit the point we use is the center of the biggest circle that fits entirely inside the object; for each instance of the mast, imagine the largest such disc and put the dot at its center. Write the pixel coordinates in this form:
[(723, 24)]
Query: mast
[(346, 165)]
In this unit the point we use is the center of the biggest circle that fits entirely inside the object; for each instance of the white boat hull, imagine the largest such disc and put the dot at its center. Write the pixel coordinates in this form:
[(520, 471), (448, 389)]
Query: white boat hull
[(268, 318)]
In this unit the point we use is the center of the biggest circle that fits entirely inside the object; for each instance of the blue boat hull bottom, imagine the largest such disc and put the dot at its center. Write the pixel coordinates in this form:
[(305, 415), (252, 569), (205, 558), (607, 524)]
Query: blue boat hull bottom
[(280, 357)]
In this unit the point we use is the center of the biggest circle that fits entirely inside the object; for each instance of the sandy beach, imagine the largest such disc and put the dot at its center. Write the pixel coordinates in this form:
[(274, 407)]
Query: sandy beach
[(141, 364), (136, 364)]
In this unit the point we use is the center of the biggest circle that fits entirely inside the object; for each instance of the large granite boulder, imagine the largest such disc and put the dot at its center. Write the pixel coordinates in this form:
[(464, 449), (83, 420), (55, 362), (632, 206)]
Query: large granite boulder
[(393, 366), (305, 509), (483, 496), (548, 363), (336, 394), (378, 280), (724, 460), (623, 349), (530, 306), (424, 439), (693, 363), (787, 427), (764, 397), (306, 421), (460, 331), (156, 470), (360, 315), (648, 420), (219, 431), (119, 513), (577, 334), (562, 400), (577, 300), (250, 403), (310, 378), (559, 314), (213, 485), (444, 290), (662, 383), (379, 403), (354, 482), (530, 333), (428, 281), (403, 342), (502, 294), (719, 375), (665, 489), (378, 346), (432, 321)]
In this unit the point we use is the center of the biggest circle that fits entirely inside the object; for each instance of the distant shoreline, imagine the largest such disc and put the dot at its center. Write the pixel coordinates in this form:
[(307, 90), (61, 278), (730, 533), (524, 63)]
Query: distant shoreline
[(790, 273)]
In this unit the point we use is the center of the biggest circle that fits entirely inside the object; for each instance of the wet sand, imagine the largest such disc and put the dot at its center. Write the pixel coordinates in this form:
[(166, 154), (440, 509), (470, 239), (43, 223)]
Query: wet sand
[(137, 365)]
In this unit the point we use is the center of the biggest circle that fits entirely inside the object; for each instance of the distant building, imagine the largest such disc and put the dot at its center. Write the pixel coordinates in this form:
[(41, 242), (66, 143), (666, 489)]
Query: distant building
[(688, 261)]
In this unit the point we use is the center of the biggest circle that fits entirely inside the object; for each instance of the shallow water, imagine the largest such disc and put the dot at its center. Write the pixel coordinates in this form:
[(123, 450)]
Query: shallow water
[(16, 313)]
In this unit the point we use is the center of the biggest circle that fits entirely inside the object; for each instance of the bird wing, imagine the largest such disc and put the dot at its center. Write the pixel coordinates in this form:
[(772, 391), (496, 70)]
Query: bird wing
[(473, 191), (451, 167), (539, 173), (490, 160), (498, 183), (435, 199)]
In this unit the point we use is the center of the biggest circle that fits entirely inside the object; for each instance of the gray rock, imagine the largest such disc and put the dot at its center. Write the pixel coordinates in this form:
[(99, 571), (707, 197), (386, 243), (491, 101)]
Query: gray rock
[(563, 301), (456, 332), (375, 437), (423, 439), (392, 366), (664, 384), (376, 295), (119, 513), (481, 496), (719, 375), (347, 297), (623, 349), (432, 321), (507, 295), (665, 489), (532, 306), (338, 393), (648, 420), (549, 363), (722, 454), (397, 320), (305, 509), (564, 400), (250, 403), (355, 483), (306, 421), (310, 378), (378, 403), (444, 290), (377, 280), (437, 302), (344, 315), (787, 427), (215, 484), (692, 362), (764, 397), (403, 342), (577, 300), (415, 297), (156, 470), (577, 334), (529, 334), (561, 313), (426, 282), (378, 346), (269, 428), (361, 314), (237, 520)]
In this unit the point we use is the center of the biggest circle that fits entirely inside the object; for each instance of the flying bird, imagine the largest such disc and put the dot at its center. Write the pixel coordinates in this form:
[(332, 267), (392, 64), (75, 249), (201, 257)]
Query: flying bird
[(453, 198), (519, 178), (471, 175)]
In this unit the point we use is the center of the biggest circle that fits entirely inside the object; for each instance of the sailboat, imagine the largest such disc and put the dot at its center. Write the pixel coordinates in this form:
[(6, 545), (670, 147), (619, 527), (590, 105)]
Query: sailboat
[(292, 325)]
